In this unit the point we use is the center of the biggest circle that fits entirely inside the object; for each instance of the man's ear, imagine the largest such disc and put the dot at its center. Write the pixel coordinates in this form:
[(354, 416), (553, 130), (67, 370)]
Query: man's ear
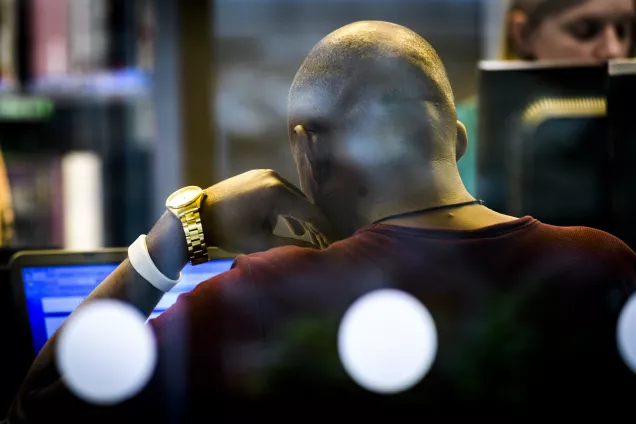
[(462, 141), (299, 141), (519, 34), (314, 151)]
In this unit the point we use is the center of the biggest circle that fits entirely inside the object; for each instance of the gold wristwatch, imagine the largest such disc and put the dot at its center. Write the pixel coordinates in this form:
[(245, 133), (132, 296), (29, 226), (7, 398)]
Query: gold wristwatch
[(185, 204)]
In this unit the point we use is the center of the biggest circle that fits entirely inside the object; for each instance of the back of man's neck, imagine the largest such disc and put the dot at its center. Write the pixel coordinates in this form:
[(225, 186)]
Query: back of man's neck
[(433, 190), (471, 217), (422, 212)]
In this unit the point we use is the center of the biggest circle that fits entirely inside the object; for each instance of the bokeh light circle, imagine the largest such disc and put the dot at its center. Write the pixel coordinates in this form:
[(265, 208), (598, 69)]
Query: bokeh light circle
[(626, 333), (387, 341), (105, 353)]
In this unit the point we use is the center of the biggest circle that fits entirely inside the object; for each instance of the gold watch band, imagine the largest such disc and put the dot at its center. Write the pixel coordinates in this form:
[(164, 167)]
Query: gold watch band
[(197, 249)]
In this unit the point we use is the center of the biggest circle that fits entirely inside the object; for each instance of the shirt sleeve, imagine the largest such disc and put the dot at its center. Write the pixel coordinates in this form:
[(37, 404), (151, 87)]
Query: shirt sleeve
[(204, 340)]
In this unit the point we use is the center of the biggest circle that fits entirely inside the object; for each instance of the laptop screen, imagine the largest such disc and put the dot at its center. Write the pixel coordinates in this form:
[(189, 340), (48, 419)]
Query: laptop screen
[(53, 292)]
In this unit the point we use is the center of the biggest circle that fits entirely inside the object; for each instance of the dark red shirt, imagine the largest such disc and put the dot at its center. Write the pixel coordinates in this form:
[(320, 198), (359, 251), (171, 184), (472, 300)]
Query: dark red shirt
[(525, 312)]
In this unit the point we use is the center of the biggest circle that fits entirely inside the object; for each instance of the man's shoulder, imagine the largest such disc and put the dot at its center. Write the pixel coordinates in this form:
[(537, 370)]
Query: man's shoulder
[(587, 238), (591, 246)]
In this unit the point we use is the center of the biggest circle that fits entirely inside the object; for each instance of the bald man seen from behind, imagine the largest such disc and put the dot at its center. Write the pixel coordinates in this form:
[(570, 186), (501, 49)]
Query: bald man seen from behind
[(525, 313)]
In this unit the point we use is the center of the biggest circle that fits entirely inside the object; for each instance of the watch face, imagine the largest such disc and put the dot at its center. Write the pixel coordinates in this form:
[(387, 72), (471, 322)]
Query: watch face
[(183, 197)]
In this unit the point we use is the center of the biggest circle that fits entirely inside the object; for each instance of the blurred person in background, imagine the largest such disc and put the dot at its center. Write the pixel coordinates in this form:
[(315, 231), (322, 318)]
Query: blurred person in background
[(6, 206), (555, 30), (525, 312)]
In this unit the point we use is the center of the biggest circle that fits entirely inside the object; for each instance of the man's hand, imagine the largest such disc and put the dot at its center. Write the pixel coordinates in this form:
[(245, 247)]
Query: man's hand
[(240, 213)]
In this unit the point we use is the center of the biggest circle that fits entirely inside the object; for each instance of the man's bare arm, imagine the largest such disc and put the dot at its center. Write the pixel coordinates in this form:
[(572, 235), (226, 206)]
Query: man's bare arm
[(167, 248), (239, 215)]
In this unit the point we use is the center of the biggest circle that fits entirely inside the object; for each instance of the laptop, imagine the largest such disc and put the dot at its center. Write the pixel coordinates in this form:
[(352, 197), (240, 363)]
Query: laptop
[(49, 285)]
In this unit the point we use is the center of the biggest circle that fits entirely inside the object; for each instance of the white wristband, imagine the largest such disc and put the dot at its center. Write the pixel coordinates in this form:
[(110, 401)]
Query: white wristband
[(142, 263)]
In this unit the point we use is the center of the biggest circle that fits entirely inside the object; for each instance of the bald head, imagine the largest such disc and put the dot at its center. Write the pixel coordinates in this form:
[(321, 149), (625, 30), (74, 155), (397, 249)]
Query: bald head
[(376, 80), (373, 125)]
